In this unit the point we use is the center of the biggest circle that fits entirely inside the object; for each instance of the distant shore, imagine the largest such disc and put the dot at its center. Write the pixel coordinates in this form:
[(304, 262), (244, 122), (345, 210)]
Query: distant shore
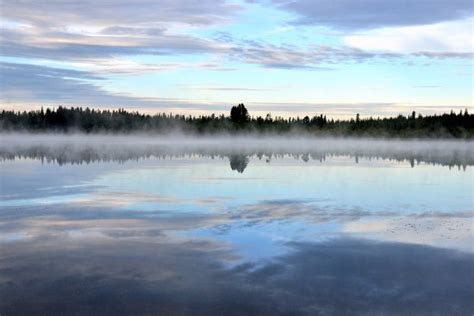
[(85, 120)]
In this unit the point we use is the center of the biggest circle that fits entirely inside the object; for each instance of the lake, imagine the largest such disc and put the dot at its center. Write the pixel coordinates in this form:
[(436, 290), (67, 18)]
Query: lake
[(137, 225)]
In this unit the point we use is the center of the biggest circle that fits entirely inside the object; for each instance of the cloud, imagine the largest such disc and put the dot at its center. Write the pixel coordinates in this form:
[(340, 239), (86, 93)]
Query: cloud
[(314, 57), (114, 43), (427, 86), (106, 46), (443, 55), (108, 12), (34, 83), (69, 30), (453, 39), (54, 45), (25, 83), (107, 32), (43, 85), (123, 66), (370, 14), (226, 88)]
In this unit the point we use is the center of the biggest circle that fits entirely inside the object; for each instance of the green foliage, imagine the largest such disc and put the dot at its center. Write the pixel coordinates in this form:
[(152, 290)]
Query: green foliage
[(87, 120)]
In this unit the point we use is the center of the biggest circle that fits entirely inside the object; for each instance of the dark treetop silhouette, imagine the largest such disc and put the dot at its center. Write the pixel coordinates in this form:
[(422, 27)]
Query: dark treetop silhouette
[(87, 120), (239, 114)]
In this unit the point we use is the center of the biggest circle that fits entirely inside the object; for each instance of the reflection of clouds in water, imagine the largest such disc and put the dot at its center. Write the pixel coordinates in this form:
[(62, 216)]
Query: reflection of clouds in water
[(268, 218), (442, 231), (446, 229), (137, 262), (333, 277), (121, 198), (283, 209), (147, 202), (155, 237), (86, 222)]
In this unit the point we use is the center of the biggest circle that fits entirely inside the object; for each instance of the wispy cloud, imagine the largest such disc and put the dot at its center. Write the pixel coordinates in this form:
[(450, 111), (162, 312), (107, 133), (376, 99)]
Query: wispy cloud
[(47, 85), (110, 12), (44, 43)]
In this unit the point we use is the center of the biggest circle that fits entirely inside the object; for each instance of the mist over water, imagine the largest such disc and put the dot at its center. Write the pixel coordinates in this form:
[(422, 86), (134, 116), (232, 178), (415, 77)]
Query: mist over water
[(141, 224), (78, 148)]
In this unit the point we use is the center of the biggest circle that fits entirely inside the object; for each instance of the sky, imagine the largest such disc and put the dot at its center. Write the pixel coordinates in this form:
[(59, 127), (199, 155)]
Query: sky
[(286, 57)]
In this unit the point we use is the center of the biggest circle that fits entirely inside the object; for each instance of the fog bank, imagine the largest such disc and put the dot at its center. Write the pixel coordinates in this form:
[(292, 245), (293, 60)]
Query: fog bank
[(74, 147)]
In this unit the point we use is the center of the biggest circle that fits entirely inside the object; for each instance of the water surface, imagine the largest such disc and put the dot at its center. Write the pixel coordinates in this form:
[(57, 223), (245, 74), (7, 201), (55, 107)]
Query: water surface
[(138, 225)]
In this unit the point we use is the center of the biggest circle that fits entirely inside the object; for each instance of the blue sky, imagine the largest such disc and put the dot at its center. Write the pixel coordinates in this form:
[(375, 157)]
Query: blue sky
[(337, 57)]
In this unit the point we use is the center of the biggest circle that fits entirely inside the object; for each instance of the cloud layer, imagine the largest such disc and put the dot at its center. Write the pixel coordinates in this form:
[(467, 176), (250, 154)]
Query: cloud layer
[(370, 14), (94, 41)]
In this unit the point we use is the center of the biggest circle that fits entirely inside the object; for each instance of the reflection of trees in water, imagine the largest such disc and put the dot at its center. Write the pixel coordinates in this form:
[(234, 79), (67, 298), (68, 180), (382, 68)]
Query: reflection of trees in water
[(238, 159), (238, 162)]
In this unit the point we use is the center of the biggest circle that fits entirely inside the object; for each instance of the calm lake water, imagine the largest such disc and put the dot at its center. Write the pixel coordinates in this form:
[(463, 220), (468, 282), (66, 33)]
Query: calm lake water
[(109, 226)]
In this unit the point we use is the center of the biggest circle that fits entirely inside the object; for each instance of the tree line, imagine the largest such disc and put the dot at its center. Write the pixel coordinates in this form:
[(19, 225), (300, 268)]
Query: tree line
[(78, 119)]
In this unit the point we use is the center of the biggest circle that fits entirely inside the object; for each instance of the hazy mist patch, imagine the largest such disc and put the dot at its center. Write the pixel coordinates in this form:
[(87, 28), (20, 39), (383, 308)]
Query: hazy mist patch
[(79, 148)]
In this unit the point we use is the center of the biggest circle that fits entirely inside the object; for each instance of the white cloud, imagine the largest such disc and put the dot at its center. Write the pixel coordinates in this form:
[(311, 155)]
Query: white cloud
[(452, 37)]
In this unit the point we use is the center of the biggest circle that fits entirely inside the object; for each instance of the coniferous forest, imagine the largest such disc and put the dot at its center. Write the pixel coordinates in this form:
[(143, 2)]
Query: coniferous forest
[(77, 119)]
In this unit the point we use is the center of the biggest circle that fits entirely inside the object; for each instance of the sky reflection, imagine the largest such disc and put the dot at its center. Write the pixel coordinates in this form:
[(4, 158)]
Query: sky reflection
[(237, 234), (335, 277)]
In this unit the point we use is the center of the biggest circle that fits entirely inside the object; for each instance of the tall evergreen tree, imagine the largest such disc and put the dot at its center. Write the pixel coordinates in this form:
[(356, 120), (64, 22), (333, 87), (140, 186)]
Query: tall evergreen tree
[(239, 114)]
